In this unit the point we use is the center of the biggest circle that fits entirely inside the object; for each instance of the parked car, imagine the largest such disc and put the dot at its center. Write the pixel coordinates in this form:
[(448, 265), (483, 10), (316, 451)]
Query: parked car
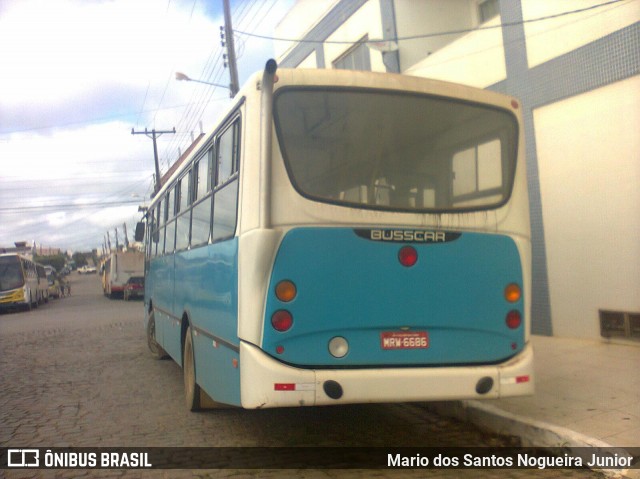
[(87, 270), (134, 288)]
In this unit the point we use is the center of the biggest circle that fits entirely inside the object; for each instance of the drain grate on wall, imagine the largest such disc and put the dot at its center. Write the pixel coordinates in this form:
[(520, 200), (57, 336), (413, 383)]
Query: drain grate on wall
[(620, 325)]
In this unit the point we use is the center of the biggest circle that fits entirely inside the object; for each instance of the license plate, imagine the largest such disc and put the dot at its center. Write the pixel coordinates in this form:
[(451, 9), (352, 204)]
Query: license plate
[(404, 340)]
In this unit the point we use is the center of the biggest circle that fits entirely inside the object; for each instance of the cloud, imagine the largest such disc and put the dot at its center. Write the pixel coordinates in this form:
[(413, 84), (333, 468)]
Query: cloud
[(77, 75)]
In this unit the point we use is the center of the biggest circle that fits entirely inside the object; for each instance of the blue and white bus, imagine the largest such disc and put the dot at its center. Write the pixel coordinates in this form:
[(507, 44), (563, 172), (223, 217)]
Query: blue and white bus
[(346, 237)]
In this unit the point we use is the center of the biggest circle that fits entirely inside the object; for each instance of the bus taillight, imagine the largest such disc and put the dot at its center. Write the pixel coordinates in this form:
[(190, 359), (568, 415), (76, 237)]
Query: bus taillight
[(282, 320), (286, 291), (514, 318), (408, 256), (512, 293)]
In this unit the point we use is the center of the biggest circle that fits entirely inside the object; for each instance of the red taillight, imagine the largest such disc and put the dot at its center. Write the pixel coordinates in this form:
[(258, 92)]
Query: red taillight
[(408, 256), (284, 387), (282, 320), (513, 319)]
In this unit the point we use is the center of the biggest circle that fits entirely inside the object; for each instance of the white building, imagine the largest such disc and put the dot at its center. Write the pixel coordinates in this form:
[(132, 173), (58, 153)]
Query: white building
[(575, 65)]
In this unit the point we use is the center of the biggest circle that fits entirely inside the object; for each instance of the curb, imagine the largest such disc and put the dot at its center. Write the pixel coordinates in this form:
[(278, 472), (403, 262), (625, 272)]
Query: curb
[(531, 432)]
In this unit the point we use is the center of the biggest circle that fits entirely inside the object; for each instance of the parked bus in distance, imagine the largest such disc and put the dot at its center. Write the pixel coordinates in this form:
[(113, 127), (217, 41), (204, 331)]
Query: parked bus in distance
[(118, 268), (346, 237), (19, 282)]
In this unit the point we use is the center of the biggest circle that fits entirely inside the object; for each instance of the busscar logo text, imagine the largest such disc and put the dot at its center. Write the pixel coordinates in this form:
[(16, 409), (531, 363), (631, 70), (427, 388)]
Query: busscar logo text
[(409, 236)]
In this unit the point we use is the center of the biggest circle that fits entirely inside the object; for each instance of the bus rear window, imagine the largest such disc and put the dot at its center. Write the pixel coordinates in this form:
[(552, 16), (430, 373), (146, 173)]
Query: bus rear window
[(396, 151)]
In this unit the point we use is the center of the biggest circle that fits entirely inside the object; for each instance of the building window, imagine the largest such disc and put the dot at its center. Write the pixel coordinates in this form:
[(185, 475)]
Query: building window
[(356, 58), (488, 9)]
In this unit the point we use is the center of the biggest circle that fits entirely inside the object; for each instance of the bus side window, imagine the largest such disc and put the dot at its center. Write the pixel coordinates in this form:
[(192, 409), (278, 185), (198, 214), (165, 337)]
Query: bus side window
[(185, 190), (167, 208), (225, 202), (183, 221), (156, 235), (176, 199), (201, 214), (227, 153), (202, 182)]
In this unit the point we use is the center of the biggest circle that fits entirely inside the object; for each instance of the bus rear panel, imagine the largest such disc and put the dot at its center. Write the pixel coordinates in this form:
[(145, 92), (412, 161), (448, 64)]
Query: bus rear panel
[(402, 269)]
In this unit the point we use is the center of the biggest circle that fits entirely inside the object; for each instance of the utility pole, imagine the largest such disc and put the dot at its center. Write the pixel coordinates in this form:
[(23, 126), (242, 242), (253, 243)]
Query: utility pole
[(153, 134), (231, 51), (126, 238)]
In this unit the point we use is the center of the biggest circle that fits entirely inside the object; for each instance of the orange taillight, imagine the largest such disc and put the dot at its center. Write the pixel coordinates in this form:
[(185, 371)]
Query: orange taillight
[(286, 291), (512, 293)]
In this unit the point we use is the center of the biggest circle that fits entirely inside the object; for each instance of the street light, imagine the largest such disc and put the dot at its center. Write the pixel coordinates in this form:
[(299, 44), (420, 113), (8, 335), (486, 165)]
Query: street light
[(182, 77)]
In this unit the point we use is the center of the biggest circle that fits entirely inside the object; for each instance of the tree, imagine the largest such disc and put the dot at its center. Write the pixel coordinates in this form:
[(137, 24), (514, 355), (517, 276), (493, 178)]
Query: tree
[(80, 259), (57, 261)]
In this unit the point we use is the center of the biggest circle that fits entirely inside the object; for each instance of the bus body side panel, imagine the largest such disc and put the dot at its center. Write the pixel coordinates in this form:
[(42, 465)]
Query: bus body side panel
[(350, 283), (161, 271), (217, 369), (206, 289), (14, 297)]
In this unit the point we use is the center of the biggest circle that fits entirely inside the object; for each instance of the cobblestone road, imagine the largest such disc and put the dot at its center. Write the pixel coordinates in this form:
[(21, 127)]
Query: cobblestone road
[(77, 373)]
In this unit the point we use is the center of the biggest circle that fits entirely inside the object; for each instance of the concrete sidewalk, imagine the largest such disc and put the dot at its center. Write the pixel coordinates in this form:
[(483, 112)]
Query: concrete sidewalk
[(587, 395)]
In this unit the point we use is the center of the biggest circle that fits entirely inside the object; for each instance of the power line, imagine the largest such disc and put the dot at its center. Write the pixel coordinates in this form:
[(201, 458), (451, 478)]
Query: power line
[(244, 13), (69, 206), (429, 35), (92, 120)]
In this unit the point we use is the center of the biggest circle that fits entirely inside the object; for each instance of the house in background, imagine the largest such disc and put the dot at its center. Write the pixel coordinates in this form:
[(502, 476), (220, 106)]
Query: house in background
[(575, 66)]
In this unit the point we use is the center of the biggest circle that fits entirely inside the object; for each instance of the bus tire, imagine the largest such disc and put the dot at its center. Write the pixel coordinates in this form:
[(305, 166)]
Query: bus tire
[(191, 388), (29, 304), (196, 398), (156, 350)]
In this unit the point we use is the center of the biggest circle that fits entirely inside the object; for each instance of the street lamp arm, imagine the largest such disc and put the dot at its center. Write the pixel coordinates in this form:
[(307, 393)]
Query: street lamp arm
[(182, 77)]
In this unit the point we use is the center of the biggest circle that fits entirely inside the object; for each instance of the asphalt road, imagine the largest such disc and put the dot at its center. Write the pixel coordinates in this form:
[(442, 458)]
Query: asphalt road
[(76, 373)]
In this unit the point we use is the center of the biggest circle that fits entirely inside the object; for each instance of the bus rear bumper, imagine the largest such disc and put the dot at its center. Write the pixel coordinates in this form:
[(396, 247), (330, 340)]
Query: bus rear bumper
[(266, 382)]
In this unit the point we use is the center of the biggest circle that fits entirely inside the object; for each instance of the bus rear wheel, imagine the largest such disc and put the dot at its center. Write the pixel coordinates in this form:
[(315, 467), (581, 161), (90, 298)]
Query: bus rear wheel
[(191, 388), (156, 350), (196, 399)]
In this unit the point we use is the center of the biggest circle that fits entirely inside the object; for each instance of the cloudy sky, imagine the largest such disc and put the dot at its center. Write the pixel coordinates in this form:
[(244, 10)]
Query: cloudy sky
[(77, 75)]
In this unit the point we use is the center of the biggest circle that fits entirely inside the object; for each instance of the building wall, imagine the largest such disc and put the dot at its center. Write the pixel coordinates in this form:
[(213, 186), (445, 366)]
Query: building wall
[(366, 22), (553, 37), (299, 21), (415, 18), (475, 59), (589, 161)]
